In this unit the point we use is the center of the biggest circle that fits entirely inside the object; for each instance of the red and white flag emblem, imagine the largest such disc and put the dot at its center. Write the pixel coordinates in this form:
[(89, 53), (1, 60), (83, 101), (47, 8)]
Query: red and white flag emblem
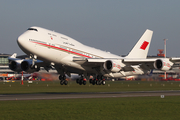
[(144, 45)]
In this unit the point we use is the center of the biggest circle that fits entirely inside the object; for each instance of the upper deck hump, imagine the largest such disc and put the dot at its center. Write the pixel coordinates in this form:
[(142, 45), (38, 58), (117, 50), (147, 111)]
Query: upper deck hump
[(59, 35)]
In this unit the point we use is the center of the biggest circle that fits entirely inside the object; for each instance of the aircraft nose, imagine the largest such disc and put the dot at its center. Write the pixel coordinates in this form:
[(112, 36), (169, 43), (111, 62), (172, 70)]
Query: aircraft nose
[(21, 40)]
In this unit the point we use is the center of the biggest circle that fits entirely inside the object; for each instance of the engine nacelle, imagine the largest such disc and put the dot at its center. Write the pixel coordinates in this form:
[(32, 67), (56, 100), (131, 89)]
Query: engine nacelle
[(26, 66), (15, 65), (162, 64), (112, 66)]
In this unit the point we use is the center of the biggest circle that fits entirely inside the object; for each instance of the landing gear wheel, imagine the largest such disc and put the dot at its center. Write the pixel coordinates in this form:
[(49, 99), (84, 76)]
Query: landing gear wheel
[(90, 81), (77, 81), (93, 82), (98, 82), (65, 82), (80, 82), (103, 82), (84, 82), (61, 82), (60, 78)]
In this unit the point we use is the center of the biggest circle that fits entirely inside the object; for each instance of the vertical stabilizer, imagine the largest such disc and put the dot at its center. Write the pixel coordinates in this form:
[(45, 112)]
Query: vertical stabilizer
[(140, 50), (13, 55)]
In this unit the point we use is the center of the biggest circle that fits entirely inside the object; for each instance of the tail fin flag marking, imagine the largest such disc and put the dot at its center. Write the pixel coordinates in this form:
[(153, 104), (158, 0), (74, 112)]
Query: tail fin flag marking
[(140, 50), (144, 45)]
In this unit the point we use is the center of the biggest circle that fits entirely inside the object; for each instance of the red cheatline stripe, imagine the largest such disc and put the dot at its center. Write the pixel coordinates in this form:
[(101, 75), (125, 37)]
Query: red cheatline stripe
[(62, 49)]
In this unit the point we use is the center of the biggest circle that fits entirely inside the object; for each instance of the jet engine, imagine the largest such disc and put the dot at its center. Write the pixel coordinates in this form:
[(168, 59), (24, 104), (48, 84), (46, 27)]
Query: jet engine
[(15, 65), (112, 66), (163, 64), (27, 66)]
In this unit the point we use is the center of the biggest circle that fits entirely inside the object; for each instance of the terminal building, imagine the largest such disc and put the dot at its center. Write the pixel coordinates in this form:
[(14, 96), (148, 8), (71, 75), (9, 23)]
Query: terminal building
[(4, 67), (4, 64)]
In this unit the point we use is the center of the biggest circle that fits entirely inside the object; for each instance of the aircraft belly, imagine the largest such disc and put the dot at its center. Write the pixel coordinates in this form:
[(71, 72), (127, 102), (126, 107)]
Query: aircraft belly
[(77, 69)]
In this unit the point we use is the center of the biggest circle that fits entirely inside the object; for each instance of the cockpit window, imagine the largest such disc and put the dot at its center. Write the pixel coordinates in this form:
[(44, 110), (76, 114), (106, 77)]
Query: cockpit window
[(32, 29)]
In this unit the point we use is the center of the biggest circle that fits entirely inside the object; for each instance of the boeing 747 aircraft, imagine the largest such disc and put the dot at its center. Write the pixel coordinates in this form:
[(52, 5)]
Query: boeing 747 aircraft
[(50, 49)]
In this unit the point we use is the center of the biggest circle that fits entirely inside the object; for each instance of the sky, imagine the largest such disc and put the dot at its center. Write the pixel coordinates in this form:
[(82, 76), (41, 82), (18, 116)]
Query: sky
[(109, 25)]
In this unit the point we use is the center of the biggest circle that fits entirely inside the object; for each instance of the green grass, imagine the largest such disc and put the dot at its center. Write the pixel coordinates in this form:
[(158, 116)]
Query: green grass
[(130, 108), (55, 87), (134, 108)]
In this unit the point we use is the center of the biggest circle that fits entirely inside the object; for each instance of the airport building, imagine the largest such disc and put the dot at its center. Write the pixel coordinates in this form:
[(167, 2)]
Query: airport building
[(4, 59), (4, 64)]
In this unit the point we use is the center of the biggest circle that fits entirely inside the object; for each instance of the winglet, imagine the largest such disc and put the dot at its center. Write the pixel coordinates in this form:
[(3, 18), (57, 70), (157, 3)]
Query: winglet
[(140, 50)]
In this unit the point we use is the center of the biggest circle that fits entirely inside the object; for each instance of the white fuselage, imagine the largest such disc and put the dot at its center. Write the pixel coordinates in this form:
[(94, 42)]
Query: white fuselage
[(57, 48)]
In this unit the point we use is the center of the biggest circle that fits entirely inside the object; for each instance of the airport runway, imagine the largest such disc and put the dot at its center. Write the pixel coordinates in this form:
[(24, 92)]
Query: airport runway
[(46, 96)]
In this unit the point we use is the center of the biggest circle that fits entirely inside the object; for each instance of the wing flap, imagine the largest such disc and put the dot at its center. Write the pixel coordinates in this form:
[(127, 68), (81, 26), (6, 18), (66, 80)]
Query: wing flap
[(145, 64), (139, 60), (96, 60), (175, 59), (93, 60), (80, 59)]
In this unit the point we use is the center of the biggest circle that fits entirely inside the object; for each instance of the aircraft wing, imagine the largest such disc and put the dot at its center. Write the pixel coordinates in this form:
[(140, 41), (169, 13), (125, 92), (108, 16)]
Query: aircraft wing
[(89, 60), (129, 63), (175, 59), (145, 64), (154, 63), (149, 60)]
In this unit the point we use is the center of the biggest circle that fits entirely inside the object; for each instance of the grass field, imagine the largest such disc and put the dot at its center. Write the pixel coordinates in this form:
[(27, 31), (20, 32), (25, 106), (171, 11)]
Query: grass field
[(130, 108), (135, 108), (55, 87)]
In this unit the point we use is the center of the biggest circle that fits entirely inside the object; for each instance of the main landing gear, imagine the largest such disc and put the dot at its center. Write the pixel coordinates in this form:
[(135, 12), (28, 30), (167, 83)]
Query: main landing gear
[(63, 80), (98, 80), (81, 81)]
